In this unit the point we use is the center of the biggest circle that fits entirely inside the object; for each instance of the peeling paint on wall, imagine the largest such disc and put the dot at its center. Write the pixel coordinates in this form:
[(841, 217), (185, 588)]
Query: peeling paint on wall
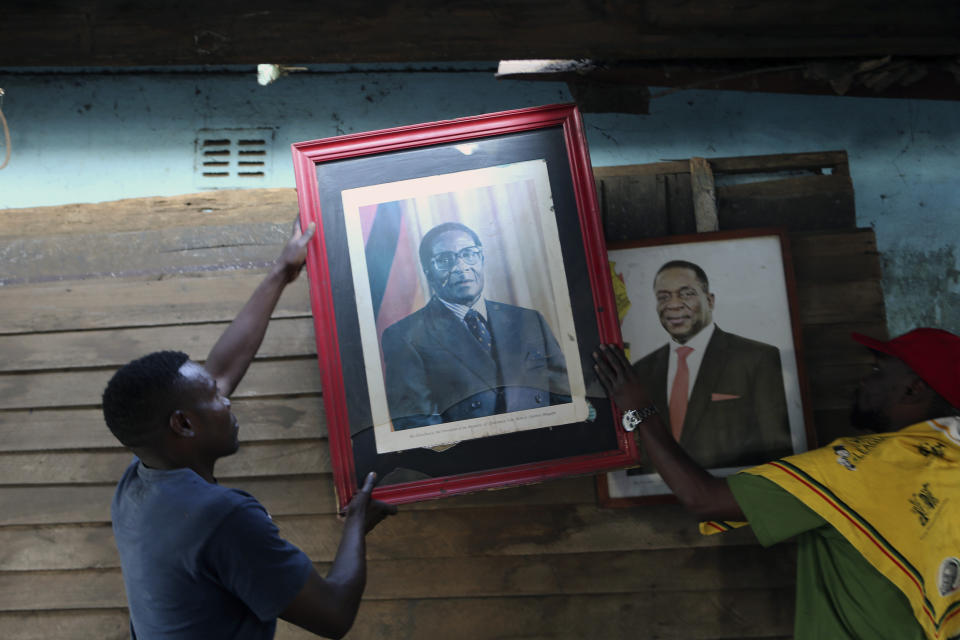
[(925, 286)]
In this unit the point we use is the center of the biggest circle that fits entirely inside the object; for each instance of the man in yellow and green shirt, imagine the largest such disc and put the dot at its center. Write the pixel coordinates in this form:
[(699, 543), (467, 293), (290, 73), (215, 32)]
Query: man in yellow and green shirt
[(876, 517)]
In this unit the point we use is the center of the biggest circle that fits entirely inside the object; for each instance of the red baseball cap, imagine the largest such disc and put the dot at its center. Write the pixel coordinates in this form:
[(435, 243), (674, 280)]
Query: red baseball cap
[(933, 354)]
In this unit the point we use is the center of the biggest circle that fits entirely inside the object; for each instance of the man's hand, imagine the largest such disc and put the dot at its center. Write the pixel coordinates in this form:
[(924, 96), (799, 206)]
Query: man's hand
[(362, 505), (703, 494), (295, 253), (620, 380)]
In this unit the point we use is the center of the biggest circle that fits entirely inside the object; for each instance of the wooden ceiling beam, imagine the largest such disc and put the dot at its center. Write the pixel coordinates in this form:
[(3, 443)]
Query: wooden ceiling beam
[(918, 78), (119, 33)]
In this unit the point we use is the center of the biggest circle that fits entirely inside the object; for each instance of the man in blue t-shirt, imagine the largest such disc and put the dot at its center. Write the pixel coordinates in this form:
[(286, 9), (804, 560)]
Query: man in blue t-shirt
[(201, 561)]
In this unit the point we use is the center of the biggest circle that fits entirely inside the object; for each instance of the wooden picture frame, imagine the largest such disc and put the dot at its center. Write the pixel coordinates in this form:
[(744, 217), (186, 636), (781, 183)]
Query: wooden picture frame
[(395, 358), (743, 408)]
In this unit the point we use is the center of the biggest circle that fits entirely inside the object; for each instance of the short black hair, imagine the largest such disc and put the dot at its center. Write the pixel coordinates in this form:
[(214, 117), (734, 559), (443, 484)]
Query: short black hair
[(430, 237), (700, 274), (140, 396)]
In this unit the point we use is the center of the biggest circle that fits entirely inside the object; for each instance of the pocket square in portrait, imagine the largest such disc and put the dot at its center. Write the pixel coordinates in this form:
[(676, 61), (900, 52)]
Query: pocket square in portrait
[(719, 397)]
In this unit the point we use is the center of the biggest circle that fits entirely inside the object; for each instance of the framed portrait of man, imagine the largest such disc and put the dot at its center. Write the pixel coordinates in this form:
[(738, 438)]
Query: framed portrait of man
[(459, 285), (476, 250), (709, 323)]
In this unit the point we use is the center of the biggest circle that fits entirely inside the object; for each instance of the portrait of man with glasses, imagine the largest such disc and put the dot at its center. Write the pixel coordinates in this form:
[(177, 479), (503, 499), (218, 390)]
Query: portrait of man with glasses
[(462, 355)]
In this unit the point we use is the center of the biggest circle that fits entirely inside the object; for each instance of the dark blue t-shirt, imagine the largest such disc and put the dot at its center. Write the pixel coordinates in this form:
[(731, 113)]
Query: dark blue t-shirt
[(200, 561)]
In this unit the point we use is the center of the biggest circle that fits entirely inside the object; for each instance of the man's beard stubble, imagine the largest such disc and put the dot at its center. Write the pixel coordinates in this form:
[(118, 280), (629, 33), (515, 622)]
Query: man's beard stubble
[(872, 420)]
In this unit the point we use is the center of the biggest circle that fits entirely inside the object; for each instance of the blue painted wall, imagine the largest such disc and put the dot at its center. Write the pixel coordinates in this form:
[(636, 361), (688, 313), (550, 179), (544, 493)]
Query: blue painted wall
[(89, 137)]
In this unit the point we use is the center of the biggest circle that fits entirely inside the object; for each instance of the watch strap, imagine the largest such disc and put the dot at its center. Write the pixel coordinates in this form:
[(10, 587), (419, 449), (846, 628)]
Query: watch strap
[(632, 417)]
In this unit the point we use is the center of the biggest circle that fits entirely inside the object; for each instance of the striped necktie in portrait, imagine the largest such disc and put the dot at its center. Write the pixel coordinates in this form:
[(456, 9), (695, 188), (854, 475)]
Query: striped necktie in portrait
[(478, 327)]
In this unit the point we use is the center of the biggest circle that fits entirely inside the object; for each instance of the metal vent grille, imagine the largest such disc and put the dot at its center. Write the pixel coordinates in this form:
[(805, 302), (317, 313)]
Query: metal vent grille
[(230, 158)]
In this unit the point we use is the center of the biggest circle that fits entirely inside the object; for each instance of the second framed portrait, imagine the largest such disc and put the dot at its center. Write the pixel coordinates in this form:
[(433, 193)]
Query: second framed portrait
[(709, 321), (459, 285)]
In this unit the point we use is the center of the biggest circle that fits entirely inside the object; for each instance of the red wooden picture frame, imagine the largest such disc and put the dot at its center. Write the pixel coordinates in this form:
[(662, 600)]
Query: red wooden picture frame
[(332, 173), (751, 277)]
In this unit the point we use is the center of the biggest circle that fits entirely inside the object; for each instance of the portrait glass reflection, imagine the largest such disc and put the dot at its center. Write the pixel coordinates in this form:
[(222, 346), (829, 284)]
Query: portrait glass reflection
[(462, 300)]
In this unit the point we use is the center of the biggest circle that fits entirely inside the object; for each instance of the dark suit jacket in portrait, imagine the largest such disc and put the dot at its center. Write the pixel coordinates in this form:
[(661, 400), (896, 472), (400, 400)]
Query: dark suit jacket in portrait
[(437, 372), (737, 412)]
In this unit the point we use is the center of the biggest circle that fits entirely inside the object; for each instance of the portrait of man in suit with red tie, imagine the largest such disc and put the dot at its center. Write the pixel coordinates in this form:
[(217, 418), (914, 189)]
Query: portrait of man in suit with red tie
[(461, 355), (721, 394)]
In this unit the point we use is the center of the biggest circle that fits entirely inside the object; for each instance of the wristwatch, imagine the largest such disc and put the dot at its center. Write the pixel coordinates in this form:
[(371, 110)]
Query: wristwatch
[(633, 417)]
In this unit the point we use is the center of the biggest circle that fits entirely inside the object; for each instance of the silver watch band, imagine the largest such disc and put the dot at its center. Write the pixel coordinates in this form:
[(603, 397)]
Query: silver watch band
[(633, 417)]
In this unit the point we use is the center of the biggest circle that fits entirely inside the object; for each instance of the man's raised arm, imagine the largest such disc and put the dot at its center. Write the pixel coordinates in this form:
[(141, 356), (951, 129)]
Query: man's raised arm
[(704, 495), (231, 355)]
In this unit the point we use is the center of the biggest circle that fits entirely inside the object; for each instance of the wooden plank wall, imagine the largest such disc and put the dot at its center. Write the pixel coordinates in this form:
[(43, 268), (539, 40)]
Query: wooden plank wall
[(85, 288)]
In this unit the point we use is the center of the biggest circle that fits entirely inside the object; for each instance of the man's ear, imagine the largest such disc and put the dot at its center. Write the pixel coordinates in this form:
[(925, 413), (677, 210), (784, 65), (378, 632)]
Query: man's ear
[(180, 424)]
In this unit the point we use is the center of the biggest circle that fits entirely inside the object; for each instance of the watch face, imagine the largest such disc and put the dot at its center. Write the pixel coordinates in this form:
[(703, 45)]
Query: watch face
[(632, 417)]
